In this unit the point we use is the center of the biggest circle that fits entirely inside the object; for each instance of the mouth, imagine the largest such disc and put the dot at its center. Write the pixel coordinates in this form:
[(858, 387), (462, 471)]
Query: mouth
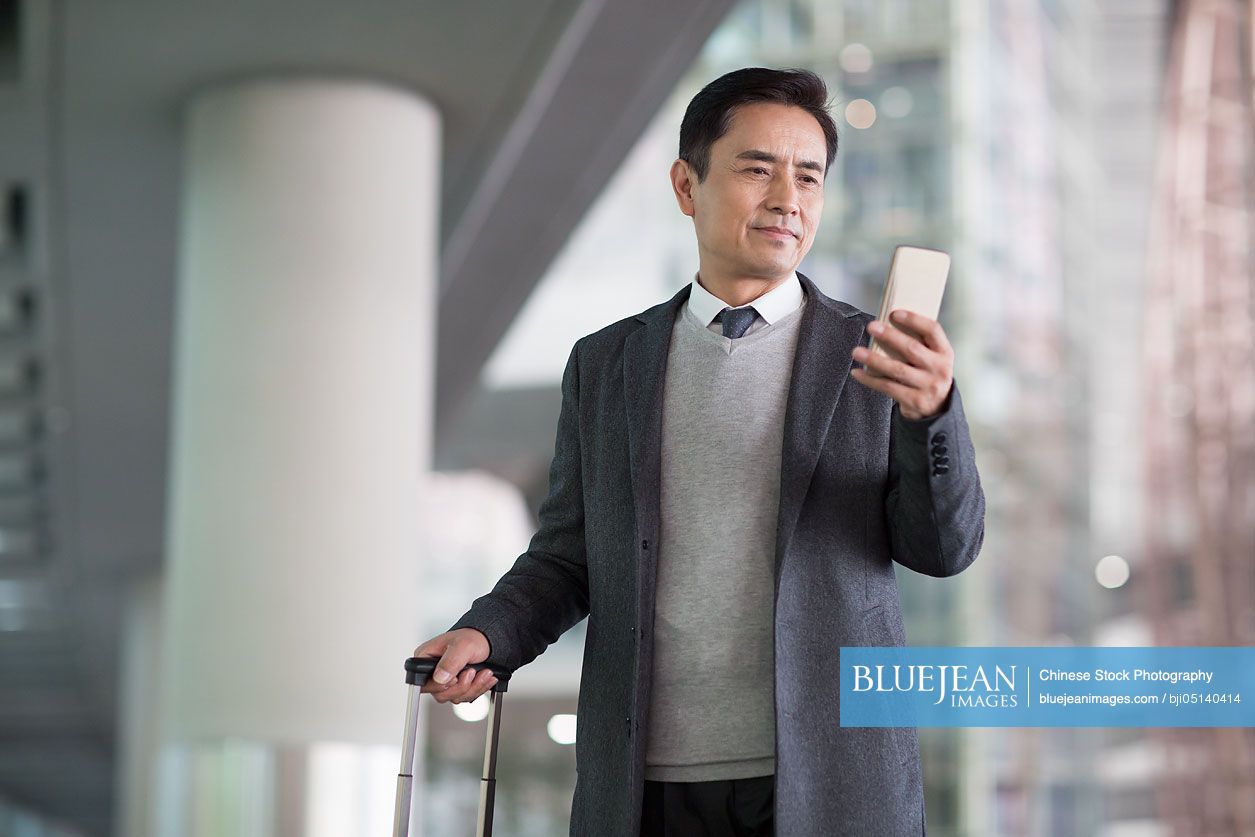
[(778, 233)]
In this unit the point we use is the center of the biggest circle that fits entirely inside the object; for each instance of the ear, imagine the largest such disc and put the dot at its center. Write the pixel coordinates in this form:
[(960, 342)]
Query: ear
[(683, 179)]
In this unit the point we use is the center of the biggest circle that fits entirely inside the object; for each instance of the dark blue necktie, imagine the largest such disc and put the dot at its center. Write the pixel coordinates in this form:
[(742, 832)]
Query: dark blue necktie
[(736, 320)]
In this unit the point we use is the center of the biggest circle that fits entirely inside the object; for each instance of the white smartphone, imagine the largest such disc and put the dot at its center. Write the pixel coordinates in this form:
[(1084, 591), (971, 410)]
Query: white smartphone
[(917, 280)]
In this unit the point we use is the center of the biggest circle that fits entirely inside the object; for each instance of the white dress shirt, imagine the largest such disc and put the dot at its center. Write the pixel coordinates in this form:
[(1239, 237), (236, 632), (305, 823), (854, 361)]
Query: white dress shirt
[(771, 306)]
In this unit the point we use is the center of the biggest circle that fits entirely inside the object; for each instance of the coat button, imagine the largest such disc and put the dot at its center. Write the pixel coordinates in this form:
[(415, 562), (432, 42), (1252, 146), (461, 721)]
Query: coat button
[(941, 469), (645, 544), (939, 439), (941, 460), (939, 450)]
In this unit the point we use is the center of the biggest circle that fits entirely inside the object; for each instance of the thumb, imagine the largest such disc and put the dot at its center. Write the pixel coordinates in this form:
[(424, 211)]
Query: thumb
[(439, 647), (455, 658)]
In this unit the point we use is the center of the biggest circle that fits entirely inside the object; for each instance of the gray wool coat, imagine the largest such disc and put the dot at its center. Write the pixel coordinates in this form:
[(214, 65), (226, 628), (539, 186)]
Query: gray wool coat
[(861, 488)]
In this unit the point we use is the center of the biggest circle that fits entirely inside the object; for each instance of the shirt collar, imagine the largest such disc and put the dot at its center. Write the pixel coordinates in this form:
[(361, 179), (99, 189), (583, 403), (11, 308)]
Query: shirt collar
[(771, 306)]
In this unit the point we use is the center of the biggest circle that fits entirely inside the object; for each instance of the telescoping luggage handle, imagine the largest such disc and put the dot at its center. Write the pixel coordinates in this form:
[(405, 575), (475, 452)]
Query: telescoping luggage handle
[(417, 670)]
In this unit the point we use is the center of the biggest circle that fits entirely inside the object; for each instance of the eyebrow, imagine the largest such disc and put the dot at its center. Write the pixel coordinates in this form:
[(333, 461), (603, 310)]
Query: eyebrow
[(767, 157)]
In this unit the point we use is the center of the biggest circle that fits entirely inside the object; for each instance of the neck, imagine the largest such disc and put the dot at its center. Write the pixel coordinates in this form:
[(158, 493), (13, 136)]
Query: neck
[(738, 290)]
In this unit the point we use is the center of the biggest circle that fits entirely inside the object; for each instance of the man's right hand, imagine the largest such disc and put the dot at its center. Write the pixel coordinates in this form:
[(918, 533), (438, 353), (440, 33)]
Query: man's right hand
[(456, 650)]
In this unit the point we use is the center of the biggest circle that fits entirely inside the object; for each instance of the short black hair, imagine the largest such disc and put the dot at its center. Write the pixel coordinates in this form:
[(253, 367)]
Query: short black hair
[(709, 114)]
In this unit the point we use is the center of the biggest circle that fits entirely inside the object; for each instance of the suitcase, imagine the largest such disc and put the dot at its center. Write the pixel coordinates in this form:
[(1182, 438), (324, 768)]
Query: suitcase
[(417, 670)]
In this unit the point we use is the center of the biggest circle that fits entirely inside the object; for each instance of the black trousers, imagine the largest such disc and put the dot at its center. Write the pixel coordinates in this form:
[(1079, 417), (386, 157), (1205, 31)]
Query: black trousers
[(728, 808)]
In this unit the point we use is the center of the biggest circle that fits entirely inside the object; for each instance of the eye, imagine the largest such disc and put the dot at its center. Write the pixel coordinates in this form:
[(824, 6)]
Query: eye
[(758, 169), (807, 177)]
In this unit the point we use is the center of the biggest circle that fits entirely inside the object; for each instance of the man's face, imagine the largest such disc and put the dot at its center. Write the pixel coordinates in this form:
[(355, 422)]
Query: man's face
[(766, 171)]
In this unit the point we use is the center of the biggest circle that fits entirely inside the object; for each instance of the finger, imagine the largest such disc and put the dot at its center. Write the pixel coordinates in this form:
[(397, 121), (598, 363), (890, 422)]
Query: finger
[(482, 683), (891, 368), (906, 347), (455, 690), (894, 390), (465, 689), (914, 403), (432, 649), (869, 381), (451, 664), (431, 687), (925, 328)]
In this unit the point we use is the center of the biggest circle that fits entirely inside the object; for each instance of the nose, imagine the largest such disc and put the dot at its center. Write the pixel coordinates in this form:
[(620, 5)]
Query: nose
[(782, 197)]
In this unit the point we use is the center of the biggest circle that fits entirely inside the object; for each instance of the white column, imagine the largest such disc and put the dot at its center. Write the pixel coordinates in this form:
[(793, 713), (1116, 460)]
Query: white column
[(139, 705), (301, 420)]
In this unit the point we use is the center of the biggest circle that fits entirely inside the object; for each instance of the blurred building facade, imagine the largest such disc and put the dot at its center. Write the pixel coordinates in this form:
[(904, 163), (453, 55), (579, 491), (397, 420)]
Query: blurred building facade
[(1196, 576)]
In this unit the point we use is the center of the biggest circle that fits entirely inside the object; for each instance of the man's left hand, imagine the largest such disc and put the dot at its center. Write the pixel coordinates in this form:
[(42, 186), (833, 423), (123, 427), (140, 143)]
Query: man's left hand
[(919, 370)]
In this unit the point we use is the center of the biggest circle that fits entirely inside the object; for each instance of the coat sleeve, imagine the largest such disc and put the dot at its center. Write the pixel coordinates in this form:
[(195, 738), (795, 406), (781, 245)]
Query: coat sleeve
[(934, 502), (546, 591)]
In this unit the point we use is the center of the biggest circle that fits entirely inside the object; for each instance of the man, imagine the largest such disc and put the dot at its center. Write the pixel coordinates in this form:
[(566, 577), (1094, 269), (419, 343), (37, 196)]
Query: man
[(726, 509)]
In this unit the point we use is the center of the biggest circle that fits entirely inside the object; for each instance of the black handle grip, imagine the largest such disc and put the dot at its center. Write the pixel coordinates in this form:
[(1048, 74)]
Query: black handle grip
[(418, 669)]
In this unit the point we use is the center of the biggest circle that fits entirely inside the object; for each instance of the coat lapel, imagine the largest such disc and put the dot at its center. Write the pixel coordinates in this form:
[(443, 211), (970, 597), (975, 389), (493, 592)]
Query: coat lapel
[(644, 367), (828, 333)]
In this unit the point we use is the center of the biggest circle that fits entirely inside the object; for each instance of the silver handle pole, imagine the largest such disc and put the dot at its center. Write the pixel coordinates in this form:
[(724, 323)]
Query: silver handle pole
[(488, 784), (405, 777)]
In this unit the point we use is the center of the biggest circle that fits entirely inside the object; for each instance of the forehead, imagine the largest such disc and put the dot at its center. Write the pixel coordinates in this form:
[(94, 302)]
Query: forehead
[(772, 127)]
